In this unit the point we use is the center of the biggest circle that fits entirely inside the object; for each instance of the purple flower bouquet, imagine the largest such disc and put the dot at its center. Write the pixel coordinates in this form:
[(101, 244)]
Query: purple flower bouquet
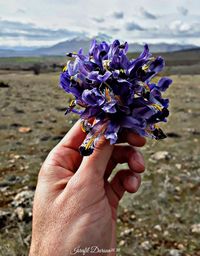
[(116, 93)]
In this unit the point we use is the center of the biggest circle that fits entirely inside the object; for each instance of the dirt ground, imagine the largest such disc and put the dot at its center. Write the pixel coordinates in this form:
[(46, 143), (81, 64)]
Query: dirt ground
[(163, 218)]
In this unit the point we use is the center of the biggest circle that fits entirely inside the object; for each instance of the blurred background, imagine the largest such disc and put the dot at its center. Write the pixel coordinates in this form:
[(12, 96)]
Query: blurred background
[(163, 218)]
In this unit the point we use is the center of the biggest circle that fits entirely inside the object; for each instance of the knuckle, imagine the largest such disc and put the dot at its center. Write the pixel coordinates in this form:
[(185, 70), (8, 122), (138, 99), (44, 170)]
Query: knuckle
[(75, 184)]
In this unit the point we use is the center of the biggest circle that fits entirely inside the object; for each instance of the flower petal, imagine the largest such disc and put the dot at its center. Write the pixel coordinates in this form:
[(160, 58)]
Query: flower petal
[(164, 83)]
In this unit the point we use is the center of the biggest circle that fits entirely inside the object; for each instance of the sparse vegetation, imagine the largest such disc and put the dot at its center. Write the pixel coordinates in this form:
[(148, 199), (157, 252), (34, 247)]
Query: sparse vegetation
[(161, 219)]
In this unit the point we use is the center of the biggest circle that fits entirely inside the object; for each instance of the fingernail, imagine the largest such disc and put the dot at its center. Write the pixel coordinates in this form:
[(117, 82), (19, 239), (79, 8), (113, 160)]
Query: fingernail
[(133, 181), (139, 159)]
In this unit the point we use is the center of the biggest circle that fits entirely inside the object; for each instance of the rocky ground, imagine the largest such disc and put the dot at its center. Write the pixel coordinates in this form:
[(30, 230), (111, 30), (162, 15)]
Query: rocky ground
[(163, 218)]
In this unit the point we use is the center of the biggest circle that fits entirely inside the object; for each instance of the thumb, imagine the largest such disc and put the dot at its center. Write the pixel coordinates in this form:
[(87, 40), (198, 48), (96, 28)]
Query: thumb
[(96, 163)]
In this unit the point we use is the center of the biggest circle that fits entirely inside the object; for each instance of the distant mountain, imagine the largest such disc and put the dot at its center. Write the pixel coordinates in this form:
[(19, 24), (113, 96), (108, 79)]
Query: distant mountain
[(7, 53), (62, 48), (162, 47)]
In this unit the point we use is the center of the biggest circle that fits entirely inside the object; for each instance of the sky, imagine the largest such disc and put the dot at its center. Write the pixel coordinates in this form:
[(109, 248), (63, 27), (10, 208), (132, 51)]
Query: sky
[(46, 22)]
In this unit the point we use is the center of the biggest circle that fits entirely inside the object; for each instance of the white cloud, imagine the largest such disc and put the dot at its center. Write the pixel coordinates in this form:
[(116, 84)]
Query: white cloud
[(48, 21)]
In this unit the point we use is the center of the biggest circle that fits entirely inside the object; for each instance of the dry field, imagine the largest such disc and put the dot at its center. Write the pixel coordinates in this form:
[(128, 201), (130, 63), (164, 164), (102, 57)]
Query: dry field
[(162, 219)]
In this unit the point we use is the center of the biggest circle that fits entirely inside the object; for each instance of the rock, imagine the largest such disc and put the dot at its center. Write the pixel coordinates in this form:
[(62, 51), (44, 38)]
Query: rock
[(163, 196), (122, 243), (39, 122), (15, 125), (161, 155), (45, 138), (158, 228), (3, 189), (174, 252), (4, 218), (155, 236), (4, 85), (23, 199), (23, 129), (20, 212), (177, 189), (27, 240), (195, 228), (193, 131), (4, 183), (126, 232), (177, 215), (23, 214), (173, 135), (53, 120), (178, 166), (12, 179), (18, 111), (160, 171), (62, 109), (133, 217), (57, 137), (146, 245), (181, 247)]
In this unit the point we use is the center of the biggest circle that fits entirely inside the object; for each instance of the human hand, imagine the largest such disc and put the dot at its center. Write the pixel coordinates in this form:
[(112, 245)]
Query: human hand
[(75, 206)]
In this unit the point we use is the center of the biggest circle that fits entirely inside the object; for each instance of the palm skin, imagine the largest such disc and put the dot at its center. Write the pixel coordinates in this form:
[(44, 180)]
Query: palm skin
[(75, 206)]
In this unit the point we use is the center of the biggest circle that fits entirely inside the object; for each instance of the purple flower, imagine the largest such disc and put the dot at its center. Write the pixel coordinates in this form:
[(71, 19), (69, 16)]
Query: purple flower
[(115, 92)]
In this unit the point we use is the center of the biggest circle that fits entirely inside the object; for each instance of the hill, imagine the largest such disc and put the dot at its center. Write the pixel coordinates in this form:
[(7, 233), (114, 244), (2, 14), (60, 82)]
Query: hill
[(61, 48)]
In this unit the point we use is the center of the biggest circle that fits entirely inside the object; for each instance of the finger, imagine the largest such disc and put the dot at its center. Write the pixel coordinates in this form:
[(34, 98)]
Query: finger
[(67, 149), (96, 163), (74, 138), (124, 180), (125, 154), (132, 138)]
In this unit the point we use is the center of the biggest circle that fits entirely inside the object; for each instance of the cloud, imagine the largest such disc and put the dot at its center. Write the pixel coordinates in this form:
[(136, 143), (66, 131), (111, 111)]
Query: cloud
[(177, 29), (118, 15), (15, 25), (20, 11), (98, 19), (147, 14), (15, 29), (131, 26), (114, 30), (183, 11)]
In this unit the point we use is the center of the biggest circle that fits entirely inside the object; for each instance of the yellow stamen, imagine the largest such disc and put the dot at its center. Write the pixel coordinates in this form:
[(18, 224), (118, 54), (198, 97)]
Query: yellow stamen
[(145, 67), (65, 68), (152, 58), (146, 87), (82, 126), (158, 107), (90, 142), (107, 94), (106, 64), (83, 129), (72, 103)]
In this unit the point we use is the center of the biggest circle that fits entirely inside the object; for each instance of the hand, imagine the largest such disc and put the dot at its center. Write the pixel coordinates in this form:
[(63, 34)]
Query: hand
[(75, 206)]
